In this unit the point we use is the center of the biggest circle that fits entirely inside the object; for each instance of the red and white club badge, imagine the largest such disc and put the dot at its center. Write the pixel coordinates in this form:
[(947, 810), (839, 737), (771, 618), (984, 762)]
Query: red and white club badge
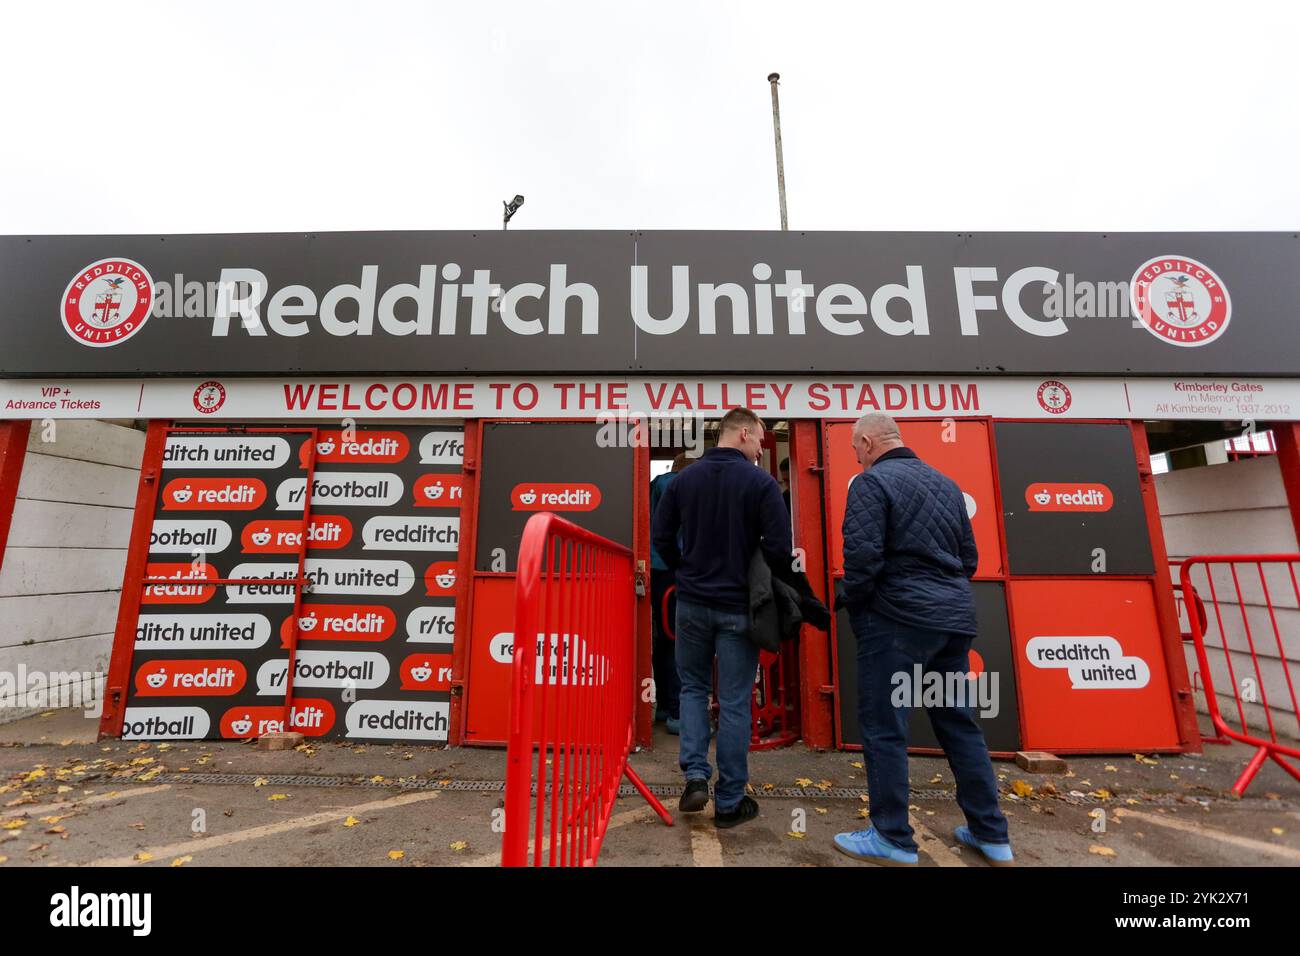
[(1180, 301), (1054, 397), (208, 397), (107, 302)]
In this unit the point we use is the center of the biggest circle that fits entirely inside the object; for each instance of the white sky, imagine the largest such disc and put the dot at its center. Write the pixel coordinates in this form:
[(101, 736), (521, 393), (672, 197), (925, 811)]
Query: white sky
[(242, 117)]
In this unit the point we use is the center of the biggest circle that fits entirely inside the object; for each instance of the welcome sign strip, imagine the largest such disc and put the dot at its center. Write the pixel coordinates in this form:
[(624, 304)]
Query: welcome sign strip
[(588, 397)]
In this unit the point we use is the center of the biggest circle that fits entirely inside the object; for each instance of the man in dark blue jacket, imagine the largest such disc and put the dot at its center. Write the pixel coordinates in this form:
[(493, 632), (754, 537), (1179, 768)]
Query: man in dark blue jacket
[(909, 553), (726, 508)]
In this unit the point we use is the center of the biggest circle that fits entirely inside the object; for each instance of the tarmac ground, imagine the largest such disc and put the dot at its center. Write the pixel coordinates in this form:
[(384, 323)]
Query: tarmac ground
[(67, 799)]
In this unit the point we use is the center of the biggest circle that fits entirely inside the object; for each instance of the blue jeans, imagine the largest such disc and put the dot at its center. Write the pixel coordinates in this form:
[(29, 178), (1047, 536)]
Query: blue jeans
[(885, 648), (702, 634)]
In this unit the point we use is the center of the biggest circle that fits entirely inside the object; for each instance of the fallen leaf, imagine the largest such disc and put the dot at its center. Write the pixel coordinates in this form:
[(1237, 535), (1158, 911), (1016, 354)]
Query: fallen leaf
[(444, 783), (864, 813), (863, 797), (57, 830), (937, 778), (1100, 850), (1021, 789), (278, 796), (856, 765), (377, 778), (1102, 793), (51, 820), (63, 789), (803, 782), (1278, 831), (1112, 768), (351, 822), (13, 824), (769, 786), (793, 835), (4, 859), (396, 854), (824, 785), (181, 860), (821, 809), (260, 782), (143, 857), (459, 845)]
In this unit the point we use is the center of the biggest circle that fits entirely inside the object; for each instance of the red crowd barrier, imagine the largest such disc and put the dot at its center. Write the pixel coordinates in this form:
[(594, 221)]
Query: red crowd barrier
[(573, 695), (1251, 620)]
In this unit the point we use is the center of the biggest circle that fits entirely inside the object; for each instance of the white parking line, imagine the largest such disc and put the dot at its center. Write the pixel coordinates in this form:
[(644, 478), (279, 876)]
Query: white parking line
[(270, 829), (1186, 826), (932, 846), (706, 848), (35, 808)]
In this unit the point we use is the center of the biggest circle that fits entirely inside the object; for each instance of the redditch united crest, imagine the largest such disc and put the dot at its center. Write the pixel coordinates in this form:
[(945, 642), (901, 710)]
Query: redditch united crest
[(209, 397), (1180, 301), (1054, 397), (108, 302)]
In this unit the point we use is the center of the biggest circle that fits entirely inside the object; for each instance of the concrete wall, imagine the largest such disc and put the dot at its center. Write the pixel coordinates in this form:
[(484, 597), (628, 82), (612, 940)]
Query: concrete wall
[(62, 571), (1239, 508)]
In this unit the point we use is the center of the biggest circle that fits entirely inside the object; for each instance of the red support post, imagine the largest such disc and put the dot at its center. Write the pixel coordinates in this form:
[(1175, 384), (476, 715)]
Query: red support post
[(1171, 639), (816, 707), (644, 660), (13, 451), (457, 712), (128, 608)]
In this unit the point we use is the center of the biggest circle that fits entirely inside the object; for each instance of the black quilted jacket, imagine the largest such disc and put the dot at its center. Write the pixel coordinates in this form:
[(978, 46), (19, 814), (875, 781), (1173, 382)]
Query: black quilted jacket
[(909, 551)]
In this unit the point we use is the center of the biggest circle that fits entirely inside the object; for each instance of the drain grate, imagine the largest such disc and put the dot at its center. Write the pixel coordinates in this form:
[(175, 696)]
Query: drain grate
[(658, 789)]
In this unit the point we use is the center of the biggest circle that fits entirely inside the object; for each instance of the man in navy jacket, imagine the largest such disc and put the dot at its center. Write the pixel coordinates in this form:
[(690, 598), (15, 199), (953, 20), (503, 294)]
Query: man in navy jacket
[(726, 508), (909, 554)]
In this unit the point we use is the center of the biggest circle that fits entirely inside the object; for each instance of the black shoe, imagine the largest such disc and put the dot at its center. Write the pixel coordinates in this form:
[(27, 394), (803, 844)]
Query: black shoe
[(746, 810), (695, 797)]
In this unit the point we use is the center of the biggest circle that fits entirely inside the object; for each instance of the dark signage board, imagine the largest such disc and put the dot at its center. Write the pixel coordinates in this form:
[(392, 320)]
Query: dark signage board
[(991, 657), (376, 626), (628, 302), (209, 661), (1071, 499), (549, 466)]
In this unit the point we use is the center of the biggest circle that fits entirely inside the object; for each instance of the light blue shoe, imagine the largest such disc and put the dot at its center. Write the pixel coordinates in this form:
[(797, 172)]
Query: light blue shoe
[(674, 726), (996, 854), (871, 846)]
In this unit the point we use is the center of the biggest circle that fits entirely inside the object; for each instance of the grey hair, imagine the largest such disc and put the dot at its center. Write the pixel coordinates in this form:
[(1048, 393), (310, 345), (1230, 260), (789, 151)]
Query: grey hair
[(879, 426)]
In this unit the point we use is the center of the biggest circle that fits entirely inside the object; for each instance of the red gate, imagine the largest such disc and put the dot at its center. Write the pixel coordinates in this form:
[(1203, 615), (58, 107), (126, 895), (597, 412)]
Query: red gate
[(572, 708), (1238, 609)]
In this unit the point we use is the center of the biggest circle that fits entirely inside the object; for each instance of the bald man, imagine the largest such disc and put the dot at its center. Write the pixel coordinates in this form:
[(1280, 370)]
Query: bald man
[(909, 554)]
